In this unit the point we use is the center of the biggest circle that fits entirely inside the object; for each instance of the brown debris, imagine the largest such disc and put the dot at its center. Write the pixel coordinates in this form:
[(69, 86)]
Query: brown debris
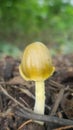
[(67, 105), (17, 97), (65, 128)]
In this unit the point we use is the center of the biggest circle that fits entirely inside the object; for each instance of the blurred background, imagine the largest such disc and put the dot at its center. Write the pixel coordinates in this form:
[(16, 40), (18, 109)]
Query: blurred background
[(25, 21)]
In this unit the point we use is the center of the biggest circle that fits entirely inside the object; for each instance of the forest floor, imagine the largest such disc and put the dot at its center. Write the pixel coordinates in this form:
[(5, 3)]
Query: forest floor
[(17, 97)]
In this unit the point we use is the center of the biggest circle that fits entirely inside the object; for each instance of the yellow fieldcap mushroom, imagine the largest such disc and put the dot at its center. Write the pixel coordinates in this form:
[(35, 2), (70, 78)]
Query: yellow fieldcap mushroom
[(36, 65)]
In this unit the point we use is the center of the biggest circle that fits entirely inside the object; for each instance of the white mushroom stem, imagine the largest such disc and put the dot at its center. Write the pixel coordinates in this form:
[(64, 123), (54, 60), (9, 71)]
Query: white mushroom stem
[(39, 98)]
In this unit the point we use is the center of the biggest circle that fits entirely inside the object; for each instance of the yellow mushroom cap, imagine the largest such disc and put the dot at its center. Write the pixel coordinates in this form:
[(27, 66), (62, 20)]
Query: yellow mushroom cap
[(36, 62)]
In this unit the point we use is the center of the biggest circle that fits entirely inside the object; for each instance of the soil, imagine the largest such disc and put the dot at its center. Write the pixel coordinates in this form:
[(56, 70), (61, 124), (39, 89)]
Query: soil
[(17, 97)]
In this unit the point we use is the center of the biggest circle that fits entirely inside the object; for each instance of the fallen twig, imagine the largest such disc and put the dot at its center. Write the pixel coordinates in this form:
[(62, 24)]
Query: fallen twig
[(45, 118), (29, 114), (13, 99), (65, 128), (57, 102)]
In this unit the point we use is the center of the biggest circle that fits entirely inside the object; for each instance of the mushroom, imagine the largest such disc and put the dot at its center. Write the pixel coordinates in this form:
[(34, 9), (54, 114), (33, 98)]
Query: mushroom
[(36, 65)]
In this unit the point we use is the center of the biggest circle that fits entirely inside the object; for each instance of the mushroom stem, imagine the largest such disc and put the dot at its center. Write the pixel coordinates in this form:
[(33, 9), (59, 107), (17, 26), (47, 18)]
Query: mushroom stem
[(39, 98)]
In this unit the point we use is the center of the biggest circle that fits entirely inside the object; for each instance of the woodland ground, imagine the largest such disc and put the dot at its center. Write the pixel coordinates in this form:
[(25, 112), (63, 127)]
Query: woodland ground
[(17, 97)]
